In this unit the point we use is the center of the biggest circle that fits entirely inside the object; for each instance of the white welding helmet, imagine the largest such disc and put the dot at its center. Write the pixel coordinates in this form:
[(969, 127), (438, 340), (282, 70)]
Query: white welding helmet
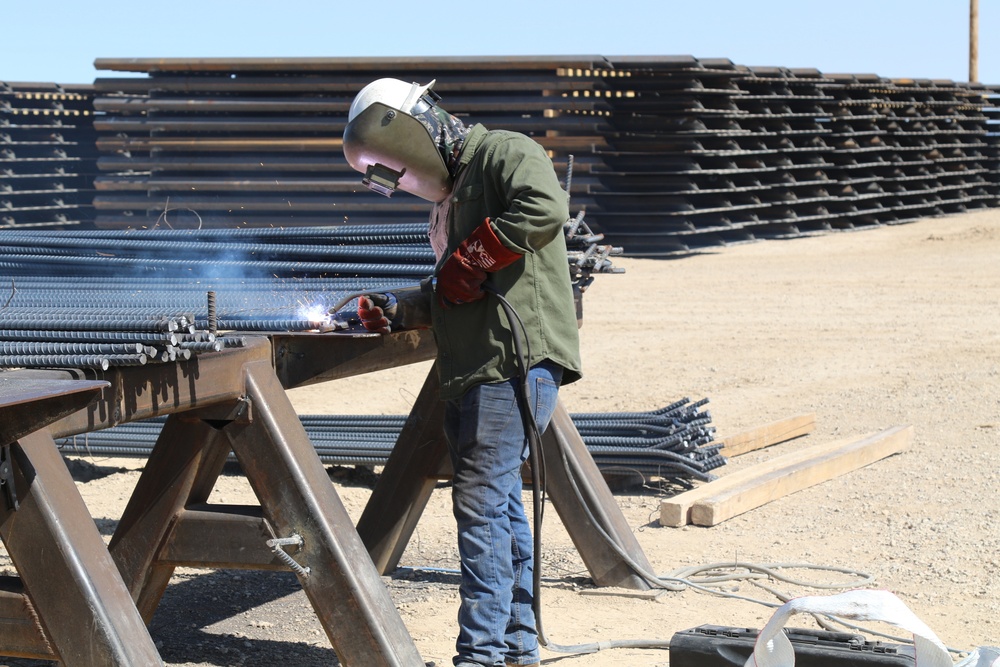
[(398, 137)]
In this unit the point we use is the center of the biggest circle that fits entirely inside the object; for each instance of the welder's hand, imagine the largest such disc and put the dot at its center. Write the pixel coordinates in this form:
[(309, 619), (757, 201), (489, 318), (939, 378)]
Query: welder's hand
[(462, 275), (459, 281), (376, 312)]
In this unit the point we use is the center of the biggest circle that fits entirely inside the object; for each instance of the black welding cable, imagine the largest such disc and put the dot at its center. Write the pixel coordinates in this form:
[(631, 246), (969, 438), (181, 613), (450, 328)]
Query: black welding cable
[(522, 352), (522, 355), (675, 583)]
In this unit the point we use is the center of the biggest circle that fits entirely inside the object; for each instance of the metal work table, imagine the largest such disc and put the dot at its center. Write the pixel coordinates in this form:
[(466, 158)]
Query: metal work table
[(82, 603)]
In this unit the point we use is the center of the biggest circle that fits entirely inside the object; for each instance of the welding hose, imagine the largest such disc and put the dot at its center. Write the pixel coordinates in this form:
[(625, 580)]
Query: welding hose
[(522, 355)]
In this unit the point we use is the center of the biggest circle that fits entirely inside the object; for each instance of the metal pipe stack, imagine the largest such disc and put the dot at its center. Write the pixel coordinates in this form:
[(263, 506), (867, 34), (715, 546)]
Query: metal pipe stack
[(673, 443)]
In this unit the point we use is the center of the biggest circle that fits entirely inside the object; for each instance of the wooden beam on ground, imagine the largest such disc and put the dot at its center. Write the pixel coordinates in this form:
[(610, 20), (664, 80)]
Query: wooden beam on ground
[(769, 434), (782, 476), (676, 510)]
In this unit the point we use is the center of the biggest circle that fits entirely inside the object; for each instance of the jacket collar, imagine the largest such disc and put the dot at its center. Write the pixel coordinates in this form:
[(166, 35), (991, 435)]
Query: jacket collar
[(473, 138)]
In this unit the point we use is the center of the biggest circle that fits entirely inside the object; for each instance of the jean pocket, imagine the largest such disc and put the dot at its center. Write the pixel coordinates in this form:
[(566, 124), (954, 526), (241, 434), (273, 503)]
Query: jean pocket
[(546, 395)]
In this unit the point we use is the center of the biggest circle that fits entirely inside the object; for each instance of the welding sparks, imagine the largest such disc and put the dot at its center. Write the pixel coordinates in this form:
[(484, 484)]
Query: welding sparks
[(315, 312)]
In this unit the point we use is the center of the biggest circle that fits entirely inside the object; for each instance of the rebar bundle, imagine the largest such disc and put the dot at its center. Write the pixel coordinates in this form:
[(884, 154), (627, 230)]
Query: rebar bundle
[(90, 284), (675, 442)]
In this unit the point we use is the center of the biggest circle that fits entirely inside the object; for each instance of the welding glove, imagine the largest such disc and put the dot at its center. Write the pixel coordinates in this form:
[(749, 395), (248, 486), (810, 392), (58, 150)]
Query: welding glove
[(376, 311), (462, 275), (405, 308)]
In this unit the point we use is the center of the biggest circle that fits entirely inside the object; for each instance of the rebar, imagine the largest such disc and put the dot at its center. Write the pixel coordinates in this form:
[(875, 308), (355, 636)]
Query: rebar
[(213, 315), (55, 361), (276, 545), (368, 440), (31, 348)]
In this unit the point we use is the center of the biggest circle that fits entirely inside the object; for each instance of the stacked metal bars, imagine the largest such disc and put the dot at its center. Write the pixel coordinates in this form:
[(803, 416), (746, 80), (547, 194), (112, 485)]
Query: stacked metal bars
[(671, 154), (48, 155), (133, 296), (89, 298), (769, 152), (258, 142), (674, 442)]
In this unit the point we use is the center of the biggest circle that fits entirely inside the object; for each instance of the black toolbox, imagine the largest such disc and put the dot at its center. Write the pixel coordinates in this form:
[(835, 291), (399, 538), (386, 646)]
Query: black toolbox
[(718, 646)]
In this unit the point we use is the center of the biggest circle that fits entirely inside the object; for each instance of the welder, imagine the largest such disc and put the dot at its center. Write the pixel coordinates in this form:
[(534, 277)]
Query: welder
[(496, 226)]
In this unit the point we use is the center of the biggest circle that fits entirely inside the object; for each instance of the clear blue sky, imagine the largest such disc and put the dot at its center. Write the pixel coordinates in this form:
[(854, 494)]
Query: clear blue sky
[(58, 40)]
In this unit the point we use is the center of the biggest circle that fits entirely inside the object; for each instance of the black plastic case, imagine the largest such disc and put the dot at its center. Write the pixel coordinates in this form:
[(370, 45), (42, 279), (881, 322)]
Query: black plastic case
[(718, 646)]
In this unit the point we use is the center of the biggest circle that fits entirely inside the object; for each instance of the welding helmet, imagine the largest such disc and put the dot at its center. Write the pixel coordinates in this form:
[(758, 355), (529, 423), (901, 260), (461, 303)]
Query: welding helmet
[(398, 137)]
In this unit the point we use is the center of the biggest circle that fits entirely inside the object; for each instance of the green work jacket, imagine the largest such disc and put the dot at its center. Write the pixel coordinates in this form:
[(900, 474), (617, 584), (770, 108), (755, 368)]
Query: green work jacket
[(508, 178)]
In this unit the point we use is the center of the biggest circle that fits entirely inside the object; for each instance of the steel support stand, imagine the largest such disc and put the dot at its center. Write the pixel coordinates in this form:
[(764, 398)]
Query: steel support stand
[(415, 464), (573, 483), (297, 497), (74, 590)]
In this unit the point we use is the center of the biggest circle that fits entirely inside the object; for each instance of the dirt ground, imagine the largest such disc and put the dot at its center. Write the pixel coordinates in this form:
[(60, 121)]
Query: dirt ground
[(868, 330)]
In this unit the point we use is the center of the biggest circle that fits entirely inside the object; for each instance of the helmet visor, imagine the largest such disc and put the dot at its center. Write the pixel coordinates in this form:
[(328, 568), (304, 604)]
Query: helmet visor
[(395, 150)]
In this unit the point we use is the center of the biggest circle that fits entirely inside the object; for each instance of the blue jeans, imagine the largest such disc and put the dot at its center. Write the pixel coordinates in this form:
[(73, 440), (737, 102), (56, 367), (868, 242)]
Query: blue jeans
[(487, 444)]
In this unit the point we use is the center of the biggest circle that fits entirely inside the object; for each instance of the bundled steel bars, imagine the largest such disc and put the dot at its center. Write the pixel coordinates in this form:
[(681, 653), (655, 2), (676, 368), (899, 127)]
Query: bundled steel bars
[(675, 442), (161, 281)]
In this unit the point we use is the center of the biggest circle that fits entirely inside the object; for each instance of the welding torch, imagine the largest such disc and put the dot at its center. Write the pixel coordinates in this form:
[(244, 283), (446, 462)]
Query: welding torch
[(402, 308)]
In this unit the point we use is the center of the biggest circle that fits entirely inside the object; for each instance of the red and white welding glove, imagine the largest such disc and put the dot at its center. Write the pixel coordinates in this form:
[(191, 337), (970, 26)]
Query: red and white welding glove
[(376, 312), (462, 275)]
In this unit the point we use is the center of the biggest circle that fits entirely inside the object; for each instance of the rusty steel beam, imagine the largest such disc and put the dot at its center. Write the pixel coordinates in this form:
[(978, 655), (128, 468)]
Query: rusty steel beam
[(417, 461), (573, 483), (304, 359), (220, 536), (162, 389), (81, 603), (295, 491), (28, 404), (393, 64), (159, 389)]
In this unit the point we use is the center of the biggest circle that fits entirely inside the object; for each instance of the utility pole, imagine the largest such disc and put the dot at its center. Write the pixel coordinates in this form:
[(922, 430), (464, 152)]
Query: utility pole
[(973, 40)]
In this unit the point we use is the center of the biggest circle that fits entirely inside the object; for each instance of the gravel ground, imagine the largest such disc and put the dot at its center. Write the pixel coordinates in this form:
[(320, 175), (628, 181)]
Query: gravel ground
[(869, 330)]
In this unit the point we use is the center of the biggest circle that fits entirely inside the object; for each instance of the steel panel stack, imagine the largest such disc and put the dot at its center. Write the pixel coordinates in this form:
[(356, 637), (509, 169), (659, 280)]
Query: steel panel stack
[(910, 149), (772, 152), (48, 155), (258, 142), (670, 154)]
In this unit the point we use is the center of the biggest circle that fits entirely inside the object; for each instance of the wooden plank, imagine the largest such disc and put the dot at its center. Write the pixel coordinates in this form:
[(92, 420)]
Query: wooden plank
[(778, 478), (769, 434), (676, 511)]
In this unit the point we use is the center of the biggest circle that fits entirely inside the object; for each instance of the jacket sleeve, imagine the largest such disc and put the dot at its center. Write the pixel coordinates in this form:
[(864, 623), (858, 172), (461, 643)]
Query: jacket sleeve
[(537, 206)]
